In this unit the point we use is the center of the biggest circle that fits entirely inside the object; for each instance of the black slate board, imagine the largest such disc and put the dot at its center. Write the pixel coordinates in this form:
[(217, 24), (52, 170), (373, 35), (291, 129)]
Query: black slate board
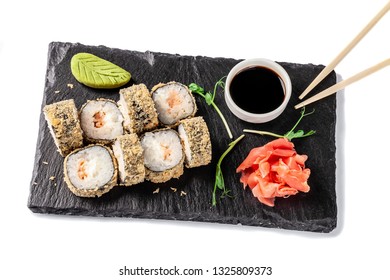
[(314, 211)]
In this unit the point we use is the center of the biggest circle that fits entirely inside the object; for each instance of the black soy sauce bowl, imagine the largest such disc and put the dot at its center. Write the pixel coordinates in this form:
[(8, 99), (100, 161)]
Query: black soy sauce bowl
[(262, 117)]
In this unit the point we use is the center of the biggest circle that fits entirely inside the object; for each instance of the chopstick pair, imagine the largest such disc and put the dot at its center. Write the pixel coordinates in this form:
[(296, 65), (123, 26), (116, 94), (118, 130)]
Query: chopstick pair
[(325, 72)]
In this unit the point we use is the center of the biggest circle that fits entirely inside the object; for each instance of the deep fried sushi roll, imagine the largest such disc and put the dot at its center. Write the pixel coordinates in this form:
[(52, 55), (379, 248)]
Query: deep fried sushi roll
[(64, 125), (138, 109), (101, 121), (129, 154), (174, 102), (163, 155), (90, 171), (195, 138)]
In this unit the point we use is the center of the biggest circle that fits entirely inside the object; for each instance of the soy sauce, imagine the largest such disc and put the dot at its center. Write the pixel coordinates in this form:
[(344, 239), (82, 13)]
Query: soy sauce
[(257, 90)]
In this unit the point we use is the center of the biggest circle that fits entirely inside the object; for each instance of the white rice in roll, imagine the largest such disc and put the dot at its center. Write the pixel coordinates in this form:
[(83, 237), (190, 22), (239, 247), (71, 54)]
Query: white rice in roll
[(101, 121), (173, 101), (90, 171), (163, 155)]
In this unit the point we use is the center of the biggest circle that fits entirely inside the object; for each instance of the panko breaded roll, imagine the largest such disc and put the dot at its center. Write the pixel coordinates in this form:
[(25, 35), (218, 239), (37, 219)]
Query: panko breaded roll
[(64, 125), (195, 138), (174, 102), (138, 109), (129, 154), (90, 171), (101, 121), (163, 155)]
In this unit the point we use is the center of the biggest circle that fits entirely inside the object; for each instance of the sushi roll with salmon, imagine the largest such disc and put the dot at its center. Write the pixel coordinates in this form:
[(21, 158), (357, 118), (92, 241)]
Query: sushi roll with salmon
[(129, 154), (90, 171), (195, 138), (138, 109), (174, 102), (64, 125), (163, 155), (101, 121)]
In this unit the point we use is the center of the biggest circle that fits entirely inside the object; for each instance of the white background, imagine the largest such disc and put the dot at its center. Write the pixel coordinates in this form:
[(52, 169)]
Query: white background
[(34, 246)]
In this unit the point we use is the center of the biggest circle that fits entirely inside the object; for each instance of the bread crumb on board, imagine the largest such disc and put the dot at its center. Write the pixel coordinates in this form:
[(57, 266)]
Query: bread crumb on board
[(182, 193)]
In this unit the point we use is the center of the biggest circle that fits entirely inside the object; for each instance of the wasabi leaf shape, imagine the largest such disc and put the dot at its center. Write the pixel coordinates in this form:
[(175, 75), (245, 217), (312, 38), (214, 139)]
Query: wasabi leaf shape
[(96, 72)]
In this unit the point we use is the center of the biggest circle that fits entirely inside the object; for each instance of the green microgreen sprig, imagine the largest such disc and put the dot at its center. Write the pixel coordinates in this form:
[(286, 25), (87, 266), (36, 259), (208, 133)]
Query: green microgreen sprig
[(210, 97), (219, 180), (290, 134)]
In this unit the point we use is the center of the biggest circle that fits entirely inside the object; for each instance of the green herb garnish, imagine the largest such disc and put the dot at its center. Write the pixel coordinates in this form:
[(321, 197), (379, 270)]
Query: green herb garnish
[(291, 134), (209, 97), (219, 181)]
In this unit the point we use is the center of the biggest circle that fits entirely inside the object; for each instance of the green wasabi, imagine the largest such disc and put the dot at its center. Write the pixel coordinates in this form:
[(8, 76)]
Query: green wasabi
[(96, 72)]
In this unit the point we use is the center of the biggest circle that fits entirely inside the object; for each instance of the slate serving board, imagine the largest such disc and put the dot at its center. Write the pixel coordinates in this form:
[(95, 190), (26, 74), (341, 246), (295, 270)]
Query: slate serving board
[(314, 211)]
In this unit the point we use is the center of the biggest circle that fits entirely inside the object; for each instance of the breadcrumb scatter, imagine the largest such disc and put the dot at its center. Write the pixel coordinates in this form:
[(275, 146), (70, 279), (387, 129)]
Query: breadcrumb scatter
[(174, 189), (70, 86), (156, 190), (52, 178), (182, 193)]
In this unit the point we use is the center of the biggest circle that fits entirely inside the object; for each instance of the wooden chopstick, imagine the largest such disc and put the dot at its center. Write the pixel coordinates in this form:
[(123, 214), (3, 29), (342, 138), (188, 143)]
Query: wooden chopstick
[(325, 72), (333, 89)]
